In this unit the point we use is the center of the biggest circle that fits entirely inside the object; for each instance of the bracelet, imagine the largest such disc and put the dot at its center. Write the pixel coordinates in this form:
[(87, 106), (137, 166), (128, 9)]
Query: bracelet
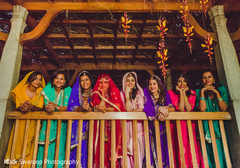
[(202, 98), (186, 98), (220, 99), (57, 107)]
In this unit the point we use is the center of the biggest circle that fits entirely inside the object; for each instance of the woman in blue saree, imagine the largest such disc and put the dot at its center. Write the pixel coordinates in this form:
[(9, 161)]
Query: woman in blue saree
[(157, 106), (79, 101), (56, 95)]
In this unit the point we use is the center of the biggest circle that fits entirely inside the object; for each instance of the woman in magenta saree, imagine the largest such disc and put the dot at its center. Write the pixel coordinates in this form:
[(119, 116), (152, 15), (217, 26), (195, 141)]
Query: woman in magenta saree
[(106, 98), (157, 106), (183, 99), (79, 101)]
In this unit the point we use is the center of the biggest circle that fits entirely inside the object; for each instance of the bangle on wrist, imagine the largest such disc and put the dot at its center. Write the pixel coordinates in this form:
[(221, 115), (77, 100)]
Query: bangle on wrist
[(220, 99), (57, 108), (186, 98), (202, 98)]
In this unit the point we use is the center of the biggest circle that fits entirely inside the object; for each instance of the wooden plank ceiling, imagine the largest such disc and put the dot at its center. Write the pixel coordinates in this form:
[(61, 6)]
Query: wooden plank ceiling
[(95, 39)]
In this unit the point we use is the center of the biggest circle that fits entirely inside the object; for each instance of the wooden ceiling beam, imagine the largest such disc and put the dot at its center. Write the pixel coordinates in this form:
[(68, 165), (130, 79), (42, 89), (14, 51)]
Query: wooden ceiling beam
[(105, 6), (66, 33), (3, 36), (115, 33), (139, 35), (53, 55), (199, 30), (90, 29), (82, 21), (105, 36), (40, 28), (111, 66)]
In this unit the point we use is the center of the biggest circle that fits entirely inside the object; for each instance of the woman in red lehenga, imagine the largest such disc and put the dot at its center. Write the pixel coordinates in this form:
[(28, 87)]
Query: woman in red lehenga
[(106, 98)]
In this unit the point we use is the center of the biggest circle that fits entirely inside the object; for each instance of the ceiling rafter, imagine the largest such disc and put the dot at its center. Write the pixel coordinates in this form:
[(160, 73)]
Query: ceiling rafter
[(115, 33), (66, 33), (139, 34), (53, 55), (90, 29)]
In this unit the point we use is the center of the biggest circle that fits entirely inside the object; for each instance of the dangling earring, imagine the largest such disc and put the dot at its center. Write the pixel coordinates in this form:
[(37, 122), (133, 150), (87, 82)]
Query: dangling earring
[(134, 87), (214, 81)]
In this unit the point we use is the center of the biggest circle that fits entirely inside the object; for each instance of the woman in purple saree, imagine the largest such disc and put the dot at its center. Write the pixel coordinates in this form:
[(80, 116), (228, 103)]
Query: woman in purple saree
[(79, 101), (157, 106)]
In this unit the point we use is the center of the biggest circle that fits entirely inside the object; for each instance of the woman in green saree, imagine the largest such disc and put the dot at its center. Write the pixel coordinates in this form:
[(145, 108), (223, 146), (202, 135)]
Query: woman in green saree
[(212, 97), (56, 95)]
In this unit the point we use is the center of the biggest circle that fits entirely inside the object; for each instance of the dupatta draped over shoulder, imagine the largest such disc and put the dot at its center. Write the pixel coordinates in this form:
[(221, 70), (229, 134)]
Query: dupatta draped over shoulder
[(151, 110), (76, 100), (19, 97), (62, 100), (114, 98), (138, 102)]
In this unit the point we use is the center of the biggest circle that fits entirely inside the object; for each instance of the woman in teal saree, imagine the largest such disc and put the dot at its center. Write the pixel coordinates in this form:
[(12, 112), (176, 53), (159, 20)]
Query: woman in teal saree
[(212, 97), (56, 95)]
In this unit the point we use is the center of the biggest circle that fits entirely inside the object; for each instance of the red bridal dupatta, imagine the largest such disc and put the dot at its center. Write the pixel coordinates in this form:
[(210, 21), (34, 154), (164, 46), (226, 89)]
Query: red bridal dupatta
[(114, 98)]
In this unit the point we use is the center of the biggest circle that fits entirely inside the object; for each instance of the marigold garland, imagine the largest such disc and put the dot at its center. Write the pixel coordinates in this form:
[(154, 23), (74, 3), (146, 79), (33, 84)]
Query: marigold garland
[(208, 44), (187, 28), (162, 51), (125, 22)]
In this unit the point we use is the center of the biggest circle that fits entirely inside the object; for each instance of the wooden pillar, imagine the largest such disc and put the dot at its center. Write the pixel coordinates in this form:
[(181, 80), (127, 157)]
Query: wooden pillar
[(229, 73), (9, 73)]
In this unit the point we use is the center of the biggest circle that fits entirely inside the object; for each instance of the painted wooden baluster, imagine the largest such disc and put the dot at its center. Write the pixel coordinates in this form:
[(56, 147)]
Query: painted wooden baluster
[(180, 143), (90, 144), (113, 144), (192, 145), (135, 144), (14, 142), (68, 143), (170, 148), (79, 147), (203, 144), (225, 145), (158, 142), (102, 137), (214, 144), (124, 142), (147, 145), (25, 142), (57, 142), (45, 156), (35, 150)]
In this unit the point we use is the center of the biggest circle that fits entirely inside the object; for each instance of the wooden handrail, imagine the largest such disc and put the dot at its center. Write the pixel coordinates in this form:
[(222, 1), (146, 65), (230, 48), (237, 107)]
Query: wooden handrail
[(123, 116), (117, 115)]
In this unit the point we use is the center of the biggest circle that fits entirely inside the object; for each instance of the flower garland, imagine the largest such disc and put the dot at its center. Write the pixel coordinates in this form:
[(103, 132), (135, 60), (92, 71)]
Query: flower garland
[(187, 28), (204, 7), (125, 22), (208, 44), (162, 51)]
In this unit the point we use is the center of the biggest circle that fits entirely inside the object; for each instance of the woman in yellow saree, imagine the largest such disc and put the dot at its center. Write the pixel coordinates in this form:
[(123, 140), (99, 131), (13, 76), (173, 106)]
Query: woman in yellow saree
[(27, 97)]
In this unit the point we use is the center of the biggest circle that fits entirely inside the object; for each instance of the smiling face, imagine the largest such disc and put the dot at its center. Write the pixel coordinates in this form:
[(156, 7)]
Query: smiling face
[(130, 82), (59, 81), (153, 86), (104, 84), (37, 82), (207, 78), (85, 82), (181, 83)]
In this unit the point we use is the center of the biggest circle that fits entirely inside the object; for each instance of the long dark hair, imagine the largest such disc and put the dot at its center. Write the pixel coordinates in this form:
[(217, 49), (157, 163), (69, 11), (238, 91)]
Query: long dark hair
[(175, 83), (135, 89), (161, 87), (33, 76), (216, 84), (83, 73), (56, 73)]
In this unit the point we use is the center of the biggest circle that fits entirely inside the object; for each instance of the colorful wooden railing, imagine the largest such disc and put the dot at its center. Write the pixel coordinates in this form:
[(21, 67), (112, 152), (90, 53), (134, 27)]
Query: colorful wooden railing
[(123, 116)]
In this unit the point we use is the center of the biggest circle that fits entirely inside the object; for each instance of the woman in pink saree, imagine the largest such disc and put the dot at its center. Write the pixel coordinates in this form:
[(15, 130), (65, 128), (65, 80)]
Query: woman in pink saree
[(183, 99), (133, 99)]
